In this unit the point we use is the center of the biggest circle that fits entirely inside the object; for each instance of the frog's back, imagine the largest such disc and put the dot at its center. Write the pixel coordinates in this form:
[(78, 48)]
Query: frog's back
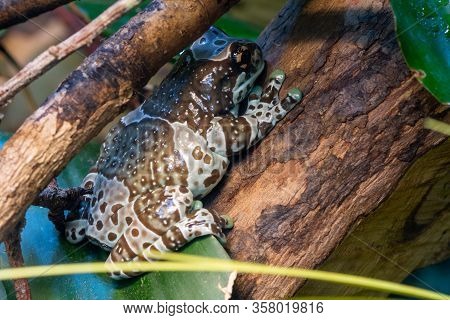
[(141, 156)]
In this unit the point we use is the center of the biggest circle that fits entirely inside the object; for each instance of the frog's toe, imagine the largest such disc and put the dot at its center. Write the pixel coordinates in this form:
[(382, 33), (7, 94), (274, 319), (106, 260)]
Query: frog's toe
[(270, 94), (196, 205), (255, 94), (277, 75), (122, 252), (228, 221), (295, 94), (293, 97)]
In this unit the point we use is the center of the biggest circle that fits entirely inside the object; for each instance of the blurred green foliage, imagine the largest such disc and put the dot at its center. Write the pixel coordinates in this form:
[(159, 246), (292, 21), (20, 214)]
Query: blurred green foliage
[(228, 23), (92, 8), (423, 30)]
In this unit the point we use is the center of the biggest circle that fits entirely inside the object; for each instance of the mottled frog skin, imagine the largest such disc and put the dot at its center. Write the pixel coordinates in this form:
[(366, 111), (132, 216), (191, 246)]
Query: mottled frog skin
[(174, 148)]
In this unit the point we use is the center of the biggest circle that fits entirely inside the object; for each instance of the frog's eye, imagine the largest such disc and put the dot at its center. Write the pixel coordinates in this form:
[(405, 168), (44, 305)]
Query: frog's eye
[(242, 56)]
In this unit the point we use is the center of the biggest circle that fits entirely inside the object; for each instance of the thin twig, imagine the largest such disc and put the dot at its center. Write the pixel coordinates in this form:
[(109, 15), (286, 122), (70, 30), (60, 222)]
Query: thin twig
[(56, 53), (57, 200), (15, 258), (16, 11)]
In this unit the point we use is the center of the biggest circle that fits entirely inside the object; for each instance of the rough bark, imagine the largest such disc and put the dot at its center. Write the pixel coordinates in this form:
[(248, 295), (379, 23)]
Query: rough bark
[(13, 249), (16, 11), (316, 176), (409, 230), (93, 95)]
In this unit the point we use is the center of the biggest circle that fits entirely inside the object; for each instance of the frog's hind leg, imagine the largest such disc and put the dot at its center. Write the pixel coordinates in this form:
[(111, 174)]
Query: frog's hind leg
[(199, 223), (153, 215)]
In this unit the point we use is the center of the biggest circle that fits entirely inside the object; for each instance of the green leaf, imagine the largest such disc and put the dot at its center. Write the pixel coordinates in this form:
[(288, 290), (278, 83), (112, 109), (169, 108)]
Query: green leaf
[(43, 246), (424, 34)]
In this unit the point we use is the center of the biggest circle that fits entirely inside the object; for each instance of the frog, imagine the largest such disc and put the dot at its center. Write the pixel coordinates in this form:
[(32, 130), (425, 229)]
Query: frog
[(161, 159)]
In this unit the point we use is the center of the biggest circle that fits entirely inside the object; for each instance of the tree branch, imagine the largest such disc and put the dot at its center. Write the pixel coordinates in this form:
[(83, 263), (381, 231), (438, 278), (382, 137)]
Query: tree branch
[(57, 200), (93, 95), (13, 249), (54, 54), (16, 11)]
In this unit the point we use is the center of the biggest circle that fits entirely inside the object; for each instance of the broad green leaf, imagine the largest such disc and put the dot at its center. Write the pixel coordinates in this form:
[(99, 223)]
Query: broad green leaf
[(423, 30), (43, 246)]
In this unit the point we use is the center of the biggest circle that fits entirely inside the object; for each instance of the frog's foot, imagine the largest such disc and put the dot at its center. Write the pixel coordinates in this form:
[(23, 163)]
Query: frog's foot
[(199, 223), (196, 224), (76, 230), (266, 107)]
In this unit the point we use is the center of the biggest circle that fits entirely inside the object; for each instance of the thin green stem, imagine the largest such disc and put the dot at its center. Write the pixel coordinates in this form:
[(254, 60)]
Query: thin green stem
[(182, 262), (437, 126)]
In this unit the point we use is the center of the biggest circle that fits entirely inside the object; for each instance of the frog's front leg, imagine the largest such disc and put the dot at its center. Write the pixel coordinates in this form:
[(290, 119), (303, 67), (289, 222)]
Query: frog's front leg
[(230, 134)]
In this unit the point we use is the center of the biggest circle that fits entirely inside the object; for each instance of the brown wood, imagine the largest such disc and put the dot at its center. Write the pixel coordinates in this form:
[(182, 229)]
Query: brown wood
[(92, 96), (13, 249), (16, 11), (300, 192), (411, 229)]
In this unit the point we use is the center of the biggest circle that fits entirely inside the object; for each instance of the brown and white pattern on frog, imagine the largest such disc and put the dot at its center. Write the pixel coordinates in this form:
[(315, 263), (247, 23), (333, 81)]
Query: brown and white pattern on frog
[(151, 220), (77, 224), (205, 168), (174, 148), (109, 213), (230, 134), (142, 155), (198, 223)]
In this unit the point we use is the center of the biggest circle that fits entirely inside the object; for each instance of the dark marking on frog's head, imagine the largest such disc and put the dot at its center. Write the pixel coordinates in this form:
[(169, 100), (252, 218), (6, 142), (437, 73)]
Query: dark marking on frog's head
[(221, 70)]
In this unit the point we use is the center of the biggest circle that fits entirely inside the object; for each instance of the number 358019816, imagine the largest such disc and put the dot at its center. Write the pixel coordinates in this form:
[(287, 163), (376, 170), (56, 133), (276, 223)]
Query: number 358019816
[(287, 307)]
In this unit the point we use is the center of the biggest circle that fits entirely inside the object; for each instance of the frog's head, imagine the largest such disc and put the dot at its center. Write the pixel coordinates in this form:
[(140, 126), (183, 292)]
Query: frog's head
[(226, 69)]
